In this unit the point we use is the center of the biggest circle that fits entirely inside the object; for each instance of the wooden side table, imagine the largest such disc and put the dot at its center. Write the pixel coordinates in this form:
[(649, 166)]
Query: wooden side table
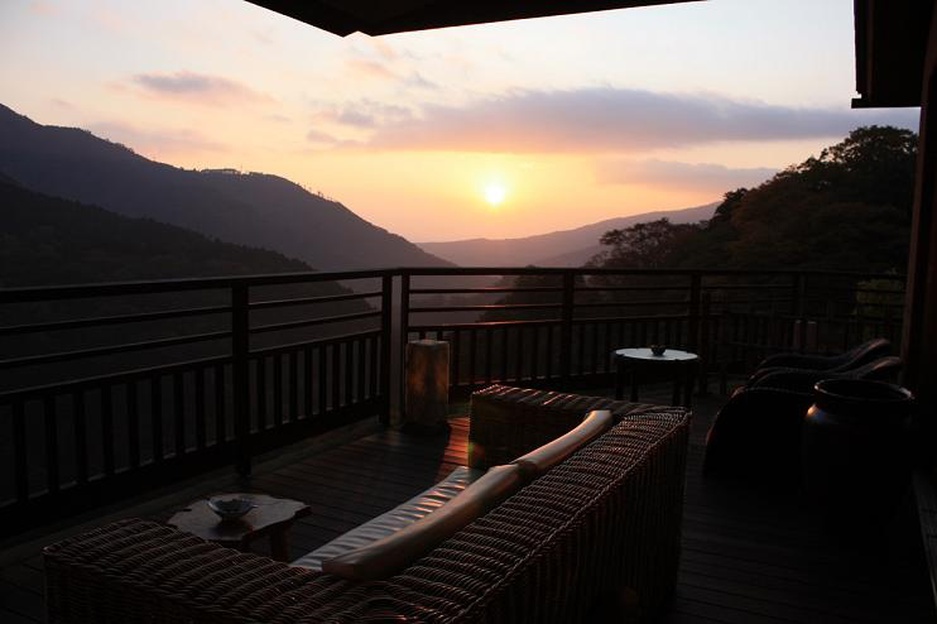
[(272, 517), (684, 364)]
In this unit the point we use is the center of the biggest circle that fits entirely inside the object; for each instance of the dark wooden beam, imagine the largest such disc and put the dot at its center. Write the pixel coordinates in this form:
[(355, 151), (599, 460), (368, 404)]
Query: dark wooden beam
[(919, 346), (891, 40), (381, 17)]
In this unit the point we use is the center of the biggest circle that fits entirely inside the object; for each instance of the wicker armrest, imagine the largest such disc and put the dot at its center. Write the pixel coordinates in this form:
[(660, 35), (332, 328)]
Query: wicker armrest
[(604, 523), (140, 571), (506, 422)]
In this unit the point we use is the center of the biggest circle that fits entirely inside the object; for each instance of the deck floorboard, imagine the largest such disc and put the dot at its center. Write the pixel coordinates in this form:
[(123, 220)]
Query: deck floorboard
[(749, 555)]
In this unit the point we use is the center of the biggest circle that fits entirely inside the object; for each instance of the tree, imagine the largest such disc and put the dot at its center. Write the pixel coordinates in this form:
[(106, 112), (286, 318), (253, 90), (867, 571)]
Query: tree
[(873, 165), (730, 201), (647, 245)]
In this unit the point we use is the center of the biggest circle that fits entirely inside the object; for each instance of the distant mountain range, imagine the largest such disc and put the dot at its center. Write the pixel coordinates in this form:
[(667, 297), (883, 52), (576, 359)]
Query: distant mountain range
[(567, 248), (249, 209), (48, 240), (259, 210)]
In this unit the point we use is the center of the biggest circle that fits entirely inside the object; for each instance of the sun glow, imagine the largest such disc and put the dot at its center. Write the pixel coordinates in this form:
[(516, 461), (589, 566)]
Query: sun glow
[(495, 194)]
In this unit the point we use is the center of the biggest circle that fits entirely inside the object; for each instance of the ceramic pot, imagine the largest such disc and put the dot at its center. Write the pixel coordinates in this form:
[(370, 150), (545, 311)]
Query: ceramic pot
[(855, 450)]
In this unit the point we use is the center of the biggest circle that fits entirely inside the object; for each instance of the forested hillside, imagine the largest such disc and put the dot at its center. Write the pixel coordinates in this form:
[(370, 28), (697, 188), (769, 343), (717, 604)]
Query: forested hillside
[(46, 240), (847, 209)]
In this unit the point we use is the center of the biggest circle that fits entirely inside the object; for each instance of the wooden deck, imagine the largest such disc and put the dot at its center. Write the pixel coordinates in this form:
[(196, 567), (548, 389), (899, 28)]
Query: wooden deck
[(749, 555)]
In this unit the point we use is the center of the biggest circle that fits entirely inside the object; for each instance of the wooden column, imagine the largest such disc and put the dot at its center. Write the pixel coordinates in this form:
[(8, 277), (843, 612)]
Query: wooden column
[(919, 344)]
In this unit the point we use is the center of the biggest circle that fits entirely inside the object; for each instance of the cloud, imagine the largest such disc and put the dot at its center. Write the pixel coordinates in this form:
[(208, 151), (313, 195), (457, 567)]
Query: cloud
[(198, 87), (360, 68), (605, 119), (320, 138), (678, 175), (390, 67), (417, 81), (364, 114)]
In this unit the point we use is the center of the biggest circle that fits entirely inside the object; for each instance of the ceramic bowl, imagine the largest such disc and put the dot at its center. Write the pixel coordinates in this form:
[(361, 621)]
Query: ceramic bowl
[(229, 507), (658, 350)]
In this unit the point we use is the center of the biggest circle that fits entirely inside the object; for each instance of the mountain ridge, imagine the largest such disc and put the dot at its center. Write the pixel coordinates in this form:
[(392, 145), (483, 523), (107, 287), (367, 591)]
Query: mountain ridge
[(562, 248), (53, 241), (255, 209)]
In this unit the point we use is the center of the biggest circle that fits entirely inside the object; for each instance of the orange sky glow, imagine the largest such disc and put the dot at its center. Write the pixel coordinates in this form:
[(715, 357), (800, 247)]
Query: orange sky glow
[(497, 131)]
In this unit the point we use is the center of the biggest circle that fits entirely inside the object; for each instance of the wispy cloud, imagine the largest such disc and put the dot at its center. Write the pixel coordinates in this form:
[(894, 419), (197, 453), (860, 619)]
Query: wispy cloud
[(196, 87), (319, 138), (363, 114), (362, 68), (678, 175), (615, 120), (389, 71)]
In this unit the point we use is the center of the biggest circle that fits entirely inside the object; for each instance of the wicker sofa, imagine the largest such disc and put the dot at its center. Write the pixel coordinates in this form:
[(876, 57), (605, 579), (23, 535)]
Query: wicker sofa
[(597, 536)]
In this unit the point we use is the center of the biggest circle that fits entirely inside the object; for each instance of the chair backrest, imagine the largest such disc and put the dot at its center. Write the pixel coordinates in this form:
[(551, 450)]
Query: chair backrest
[(882, 369), (865, 353), (857, 356)]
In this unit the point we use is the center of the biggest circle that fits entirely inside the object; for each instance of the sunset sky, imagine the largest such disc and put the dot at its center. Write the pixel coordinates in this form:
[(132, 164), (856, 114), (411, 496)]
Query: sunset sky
[(498, 131)]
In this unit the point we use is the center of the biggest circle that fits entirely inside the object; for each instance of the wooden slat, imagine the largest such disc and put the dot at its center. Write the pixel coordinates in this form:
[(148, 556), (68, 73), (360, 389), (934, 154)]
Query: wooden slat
[(200, 412), (81, 437), (51, 423), (133, 426), (221, 431), (20, 460), (156, 417), (307, 381), (107, 428), (178, 409), (277, 389)]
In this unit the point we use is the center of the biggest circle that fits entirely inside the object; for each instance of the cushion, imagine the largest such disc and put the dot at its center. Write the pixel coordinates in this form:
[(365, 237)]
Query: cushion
[(394, 552), (392, 521), (540, 460)]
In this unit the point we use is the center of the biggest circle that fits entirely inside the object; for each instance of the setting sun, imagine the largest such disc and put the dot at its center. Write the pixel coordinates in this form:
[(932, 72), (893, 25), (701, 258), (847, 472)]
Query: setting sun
[(495, 194)]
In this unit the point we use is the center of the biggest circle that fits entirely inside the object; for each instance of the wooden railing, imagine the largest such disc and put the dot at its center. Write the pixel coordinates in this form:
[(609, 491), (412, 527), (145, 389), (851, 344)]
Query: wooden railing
[(558, 327), (107, 390), (112, 389)]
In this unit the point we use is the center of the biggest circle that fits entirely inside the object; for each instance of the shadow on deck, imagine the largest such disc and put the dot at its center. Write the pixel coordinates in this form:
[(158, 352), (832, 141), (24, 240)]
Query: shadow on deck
[(749, 555)]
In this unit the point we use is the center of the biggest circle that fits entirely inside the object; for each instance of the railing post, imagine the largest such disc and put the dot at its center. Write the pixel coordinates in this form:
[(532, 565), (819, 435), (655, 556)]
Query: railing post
[(693, 331), (798, 308), (400, 359), (387, 337), (240, 376), (696, 290), (566, 327), (705, 342)]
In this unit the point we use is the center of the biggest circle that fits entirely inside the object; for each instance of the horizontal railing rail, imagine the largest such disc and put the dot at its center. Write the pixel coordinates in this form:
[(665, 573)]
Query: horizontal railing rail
[(112, 388)]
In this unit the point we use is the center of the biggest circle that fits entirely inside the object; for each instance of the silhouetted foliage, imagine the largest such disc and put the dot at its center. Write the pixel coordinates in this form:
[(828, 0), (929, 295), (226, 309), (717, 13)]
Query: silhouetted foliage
[(848, 209), (47, 241), (643, 245)]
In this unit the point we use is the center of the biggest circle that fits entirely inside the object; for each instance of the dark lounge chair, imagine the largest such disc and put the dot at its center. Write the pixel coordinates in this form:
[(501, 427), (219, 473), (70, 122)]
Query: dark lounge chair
[(802, 379), (756, 434), (853, 358)]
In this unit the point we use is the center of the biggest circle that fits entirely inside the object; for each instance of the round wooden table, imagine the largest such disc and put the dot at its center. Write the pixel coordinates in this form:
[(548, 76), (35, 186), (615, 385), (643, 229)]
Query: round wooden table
[(271, 517), (683, 363)]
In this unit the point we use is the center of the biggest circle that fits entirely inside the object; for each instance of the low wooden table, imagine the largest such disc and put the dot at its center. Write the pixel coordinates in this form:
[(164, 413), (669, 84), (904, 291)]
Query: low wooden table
[(271, 517), (683, 363)]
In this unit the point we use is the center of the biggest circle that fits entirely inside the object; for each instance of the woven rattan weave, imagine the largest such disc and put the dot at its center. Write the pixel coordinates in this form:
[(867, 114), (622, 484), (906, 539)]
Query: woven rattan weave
[(606, 522)]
